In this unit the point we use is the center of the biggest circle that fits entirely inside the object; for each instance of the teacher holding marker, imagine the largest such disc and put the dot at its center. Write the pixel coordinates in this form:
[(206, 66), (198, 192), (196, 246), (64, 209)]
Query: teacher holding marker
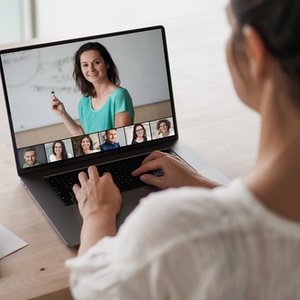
[(104, 103)]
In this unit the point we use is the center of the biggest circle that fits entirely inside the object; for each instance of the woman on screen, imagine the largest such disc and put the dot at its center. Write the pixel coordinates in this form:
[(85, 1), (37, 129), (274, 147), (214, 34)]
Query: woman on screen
[(139, 134), (164, 128), (104, 103), (86, 145), (59, 151)]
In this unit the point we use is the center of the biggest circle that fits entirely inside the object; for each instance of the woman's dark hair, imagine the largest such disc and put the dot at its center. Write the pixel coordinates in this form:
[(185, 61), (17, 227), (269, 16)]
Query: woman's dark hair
[(134, 132), (64, 154), (278, 23), (84, 86), (167, 122), (80, 150)]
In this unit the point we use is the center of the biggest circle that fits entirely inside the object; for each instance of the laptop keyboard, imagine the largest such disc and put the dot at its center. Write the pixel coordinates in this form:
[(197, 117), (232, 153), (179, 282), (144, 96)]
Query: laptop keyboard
[(121, 173)]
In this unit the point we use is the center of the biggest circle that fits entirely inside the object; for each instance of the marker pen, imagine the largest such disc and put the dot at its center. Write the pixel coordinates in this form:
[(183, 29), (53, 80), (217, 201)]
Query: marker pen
[(52, 94)]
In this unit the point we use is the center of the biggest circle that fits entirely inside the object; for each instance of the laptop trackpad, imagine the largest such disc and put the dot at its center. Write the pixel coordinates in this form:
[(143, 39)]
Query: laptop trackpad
[(131, 199)]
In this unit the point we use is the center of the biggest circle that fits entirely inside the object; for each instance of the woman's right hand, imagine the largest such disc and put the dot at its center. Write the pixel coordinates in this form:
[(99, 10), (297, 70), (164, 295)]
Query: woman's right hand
[(59, 109), (57, 106), (174, 172)]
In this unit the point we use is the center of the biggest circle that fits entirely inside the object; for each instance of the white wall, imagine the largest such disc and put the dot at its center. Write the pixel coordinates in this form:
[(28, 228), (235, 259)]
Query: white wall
[(16, 21), (52, 19), (69, 18), (10, 21)]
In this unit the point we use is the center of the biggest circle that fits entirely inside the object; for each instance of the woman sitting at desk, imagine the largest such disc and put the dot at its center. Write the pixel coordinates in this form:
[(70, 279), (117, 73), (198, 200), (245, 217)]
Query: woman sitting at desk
[(241, 241)]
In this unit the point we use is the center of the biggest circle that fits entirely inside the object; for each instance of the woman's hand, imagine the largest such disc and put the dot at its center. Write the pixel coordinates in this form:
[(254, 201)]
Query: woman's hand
[(57, 106), (99, 202), (96, 194), (59, 109), (174, 172)]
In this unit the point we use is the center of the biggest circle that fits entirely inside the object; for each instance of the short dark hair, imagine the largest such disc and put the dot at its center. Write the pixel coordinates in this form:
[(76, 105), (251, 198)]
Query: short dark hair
[(84, 86), (278, 23), (107, 130), (30, 148)]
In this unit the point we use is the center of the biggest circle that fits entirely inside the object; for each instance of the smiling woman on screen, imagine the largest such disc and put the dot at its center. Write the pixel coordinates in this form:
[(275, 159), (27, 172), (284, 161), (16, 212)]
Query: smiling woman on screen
[(104, 103)]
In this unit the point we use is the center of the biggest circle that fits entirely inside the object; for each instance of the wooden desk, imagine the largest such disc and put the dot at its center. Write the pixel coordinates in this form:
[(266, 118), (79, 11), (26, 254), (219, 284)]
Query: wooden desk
[(38, 269), (211, 120)]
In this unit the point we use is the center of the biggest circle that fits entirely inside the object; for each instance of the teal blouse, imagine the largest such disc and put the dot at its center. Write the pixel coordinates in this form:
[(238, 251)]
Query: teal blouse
[(103, 119)]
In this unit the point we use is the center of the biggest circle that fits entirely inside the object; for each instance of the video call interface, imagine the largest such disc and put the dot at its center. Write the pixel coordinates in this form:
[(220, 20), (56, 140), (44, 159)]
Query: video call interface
[(31, 75)]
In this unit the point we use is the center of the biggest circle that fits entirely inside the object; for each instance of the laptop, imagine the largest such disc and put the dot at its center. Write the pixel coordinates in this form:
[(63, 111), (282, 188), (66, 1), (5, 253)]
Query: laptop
[(31, 73)]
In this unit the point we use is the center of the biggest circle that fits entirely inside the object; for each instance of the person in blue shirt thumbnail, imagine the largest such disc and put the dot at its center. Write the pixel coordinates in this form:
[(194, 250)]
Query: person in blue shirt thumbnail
[(110, 143)]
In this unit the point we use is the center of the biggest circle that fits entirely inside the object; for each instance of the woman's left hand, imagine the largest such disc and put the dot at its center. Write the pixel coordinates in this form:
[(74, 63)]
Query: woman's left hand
[(97, 194), (99, 202)]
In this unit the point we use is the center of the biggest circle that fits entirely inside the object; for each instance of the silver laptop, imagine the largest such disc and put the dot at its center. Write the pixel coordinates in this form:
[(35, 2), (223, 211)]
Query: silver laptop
[(31, 73)]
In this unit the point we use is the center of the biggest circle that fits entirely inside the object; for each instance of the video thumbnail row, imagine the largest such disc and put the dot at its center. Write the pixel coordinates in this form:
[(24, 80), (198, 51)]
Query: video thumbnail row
[(95, 142)]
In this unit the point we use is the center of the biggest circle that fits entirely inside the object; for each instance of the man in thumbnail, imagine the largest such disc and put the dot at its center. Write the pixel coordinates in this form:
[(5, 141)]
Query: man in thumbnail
[(30, 157), (110, 143)]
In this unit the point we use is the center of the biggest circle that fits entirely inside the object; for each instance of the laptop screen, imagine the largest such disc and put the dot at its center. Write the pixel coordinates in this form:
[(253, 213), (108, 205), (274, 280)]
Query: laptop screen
[(32, 76)]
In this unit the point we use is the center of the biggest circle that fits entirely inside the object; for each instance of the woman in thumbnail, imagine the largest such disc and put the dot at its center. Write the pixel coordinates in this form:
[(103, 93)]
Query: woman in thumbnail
[(59, 151), (139, 134), (86, 145), (164, 128), (104, 103)]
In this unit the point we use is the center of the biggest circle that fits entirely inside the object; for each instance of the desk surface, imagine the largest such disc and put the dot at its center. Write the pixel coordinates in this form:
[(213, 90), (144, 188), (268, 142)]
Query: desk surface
[(211, 120)]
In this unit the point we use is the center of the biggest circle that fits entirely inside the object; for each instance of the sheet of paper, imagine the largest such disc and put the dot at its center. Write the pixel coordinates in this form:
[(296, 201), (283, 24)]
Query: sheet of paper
[(9, 242)]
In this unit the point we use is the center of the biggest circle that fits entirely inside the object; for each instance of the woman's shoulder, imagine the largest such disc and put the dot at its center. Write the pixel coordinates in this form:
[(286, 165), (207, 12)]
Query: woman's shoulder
[(84, 100), (85, 97), (52, 157), (120, 91)]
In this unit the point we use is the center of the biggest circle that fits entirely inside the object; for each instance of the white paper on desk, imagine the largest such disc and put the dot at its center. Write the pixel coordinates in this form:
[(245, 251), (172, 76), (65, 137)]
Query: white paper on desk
[(9, 242)]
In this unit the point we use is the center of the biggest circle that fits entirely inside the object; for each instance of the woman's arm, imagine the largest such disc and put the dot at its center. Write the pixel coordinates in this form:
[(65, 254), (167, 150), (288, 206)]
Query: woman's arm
[(74, 128), (59, 109), (99, 201), (123, 108), (123, 119)]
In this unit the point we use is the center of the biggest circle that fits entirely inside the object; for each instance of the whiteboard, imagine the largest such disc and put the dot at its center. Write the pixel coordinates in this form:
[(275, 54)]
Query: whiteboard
[(31, 75)]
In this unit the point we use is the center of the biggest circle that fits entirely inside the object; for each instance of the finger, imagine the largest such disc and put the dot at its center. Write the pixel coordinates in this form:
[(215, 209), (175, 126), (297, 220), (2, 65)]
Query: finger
[(55, 103), (76, 188), (83, 177), (54, 99), (93, 173), (154, 180), (147, 167), (153, 155), (107, 176)]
